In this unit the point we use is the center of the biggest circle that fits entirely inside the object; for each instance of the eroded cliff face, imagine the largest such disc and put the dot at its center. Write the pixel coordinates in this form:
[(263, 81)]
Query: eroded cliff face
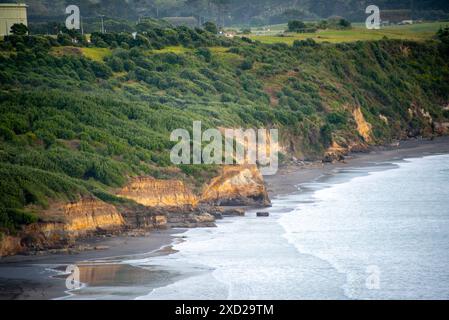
[(84, 216), (174, 204), (152, 192), (63, 223), (158, 204), (363, 127), (442, 128), (237, 185), (89, 215), (9, 245), (341, 146)]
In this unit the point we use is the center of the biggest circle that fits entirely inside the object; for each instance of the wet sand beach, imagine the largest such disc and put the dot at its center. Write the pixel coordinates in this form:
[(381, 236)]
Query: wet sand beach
[(43, 276)]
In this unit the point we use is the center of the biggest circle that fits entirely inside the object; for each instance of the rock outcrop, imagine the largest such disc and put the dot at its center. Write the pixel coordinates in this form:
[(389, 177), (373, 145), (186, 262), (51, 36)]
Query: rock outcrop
[(9, 245), (62, 224), (236, 185), (442, 128), (88, 215), (172, 203), (363, 127), (152, 192), (341, 146), (190, 220), (81, 217), (143, 218)]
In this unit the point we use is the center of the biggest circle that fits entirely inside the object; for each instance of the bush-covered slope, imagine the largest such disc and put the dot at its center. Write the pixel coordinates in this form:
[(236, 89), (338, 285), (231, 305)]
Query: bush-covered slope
[(77, 120)]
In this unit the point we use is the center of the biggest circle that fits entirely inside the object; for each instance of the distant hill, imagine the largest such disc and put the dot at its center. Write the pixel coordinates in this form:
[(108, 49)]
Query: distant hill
[(235, 11), (44, 9)]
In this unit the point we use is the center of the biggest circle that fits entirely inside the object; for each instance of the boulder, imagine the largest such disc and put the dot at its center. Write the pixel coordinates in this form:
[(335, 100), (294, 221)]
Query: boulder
[(234, 213), (263, 214)]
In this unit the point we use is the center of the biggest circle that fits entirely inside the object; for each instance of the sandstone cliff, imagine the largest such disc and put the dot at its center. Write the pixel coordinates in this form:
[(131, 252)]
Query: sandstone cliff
[(174, 204), (152, 192), (237, 185), (9, 245), (62, 223), (87, 215), (363, 127), (154, 203), (341, 145)]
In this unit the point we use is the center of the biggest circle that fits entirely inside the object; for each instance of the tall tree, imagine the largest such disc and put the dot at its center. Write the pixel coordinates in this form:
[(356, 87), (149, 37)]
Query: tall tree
[(19, 29)]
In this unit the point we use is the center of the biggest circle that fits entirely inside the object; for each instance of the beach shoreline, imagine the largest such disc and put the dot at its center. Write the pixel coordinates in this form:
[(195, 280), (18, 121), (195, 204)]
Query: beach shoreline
[(288, 178), (34, 277)]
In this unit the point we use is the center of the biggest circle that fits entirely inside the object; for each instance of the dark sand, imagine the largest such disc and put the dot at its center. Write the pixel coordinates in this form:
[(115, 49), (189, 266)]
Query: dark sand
[(34, 277)]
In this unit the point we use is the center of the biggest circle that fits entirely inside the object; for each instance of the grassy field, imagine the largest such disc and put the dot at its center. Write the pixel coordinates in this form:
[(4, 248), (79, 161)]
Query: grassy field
[(418, 32), (173, 49), (96, 54)]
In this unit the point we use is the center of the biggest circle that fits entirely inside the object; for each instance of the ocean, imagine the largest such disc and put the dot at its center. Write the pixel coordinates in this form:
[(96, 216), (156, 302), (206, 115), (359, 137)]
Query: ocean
[(377, 232)]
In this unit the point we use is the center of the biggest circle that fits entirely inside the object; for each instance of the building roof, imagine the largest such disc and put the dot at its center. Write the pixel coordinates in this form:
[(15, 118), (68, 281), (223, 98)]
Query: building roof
[(13, 5)]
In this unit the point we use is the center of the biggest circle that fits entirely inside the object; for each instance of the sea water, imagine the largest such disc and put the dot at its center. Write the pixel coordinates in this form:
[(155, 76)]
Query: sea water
[(379, 232)]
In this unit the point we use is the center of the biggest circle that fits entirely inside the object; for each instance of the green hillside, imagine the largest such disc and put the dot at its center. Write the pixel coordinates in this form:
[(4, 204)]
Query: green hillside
[(83, 119)]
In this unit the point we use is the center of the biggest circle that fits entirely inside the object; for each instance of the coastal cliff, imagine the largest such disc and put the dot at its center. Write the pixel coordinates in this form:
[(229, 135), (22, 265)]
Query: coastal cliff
[(363, 136), (359, 141), (153, 203), (175, 201), (62, 223), (86, 215), (237, 185), (9, 245), (152, 192), (242, 183)]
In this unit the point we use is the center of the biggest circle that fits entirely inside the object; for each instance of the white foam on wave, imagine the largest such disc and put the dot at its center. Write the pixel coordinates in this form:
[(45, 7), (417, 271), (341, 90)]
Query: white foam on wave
[(395, 220), (335, 233), (244, 258)]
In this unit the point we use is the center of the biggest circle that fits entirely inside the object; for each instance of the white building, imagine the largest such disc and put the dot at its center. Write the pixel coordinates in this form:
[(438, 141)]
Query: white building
[(10, 14)]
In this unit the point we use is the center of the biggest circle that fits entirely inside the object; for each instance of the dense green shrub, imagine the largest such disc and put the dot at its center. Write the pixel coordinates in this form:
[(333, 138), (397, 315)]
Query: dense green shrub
[(247, 64), (70, 125), (296, 25), (210, 27)]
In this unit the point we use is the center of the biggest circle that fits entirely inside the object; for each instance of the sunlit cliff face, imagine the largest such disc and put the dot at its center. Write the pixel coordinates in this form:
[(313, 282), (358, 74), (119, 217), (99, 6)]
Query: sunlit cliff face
[(65, 222), (158, 193), (234, 183)]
